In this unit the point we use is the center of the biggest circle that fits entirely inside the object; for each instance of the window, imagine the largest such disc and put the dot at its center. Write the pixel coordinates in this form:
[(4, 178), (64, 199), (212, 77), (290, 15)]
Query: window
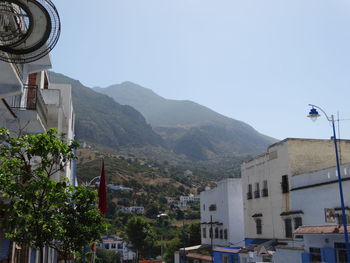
[(264, 191), (212, 207), (221, 234), (288, 227), (224, 258), (225, 234), (285, 184), (340, 252), (203, 207), (204, 232), (211, 232), (113, 245), (298, 222), (250, 191), (257, 190), (315, 255), (258, 226), (216, 232)]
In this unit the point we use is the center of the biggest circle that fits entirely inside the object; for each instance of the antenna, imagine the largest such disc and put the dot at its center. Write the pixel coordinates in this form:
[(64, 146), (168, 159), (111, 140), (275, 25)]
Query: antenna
[(29, 30)]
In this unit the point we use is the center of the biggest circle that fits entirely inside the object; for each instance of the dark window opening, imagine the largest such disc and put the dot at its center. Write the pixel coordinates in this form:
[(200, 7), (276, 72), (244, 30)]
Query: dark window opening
[(225, 234), (298, 221), (250, 192), (315, 255), (264, 191), (216, 232), (285, 184), (288, 227), (258, 226), (212, 207)]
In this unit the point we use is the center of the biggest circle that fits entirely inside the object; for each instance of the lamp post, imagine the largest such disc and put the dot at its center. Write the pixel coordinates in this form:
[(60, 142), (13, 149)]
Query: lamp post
[(161, 220), (313, 114)]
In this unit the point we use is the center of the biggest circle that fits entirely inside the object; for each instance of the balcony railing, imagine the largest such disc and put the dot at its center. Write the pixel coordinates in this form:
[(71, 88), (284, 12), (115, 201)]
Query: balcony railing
[(249, 195), (257, 194), (31, 99), (264, 192)]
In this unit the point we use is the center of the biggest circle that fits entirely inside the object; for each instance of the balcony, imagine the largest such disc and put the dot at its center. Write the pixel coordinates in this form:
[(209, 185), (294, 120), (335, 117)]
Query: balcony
[(249, 195), (257, 194), (264, 192), (31, 110)]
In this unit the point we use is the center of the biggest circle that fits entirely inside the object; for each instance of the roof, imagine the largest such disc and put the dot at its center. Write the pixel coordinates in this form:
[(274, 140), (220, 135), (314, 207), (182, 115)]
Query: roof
[(228, 250), (199, 256), (329, 229), (190, 248)]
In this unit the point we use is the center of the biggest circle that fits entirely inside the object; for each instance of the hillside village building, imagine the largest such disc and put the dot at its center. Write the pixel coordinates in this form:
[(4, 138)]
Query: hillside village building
[(117, 244)]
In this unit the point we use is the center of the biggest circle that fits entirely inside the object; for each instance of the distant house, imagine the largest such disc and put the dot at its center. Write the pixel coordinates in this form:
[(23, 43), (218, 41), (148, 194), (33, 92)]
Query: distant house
[(188, 173), (116, 243), (185, 200), (135, 209)]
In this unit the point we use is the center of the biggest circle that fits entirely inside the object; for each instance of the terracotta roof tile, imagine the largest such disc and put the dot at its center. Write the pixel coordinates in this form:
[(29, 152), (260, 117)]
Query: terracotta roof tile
[(330, 229)]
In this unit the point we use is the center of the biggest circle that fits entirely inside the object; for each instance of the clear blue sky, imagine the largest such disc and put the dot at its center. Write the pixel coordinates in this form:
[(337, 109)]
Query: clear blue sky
[(259, 61)]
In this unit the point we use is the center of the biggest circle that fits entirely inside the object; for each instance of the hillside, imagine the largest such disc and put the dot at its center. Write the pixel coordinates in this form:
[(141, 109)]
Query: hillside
[(102, 121), (189, 128)]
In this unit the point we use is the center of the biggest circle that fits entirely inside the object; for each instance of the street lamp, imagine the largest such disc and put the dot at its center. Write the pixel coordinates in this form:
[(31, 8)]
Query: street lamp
[(313, 114)]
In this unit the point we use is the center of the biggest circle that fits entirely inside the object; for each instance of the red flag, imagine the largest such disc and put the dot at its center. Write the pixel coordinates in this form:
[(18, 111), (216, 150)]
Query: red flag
[(102, 193)]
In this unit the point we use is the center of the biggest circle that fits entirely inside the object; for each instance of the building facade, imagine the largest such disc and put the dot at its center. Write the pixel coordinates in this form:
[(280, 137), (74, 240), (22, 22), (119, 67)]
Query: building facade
[(320, 237), (267, 184), (221, 209)]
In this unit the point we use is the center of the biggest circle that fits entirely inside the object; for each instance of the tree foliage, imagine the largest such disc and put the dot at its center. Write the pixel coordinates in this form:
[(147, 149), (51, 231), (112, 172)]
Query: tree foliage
[(38, 211), (140, 234)]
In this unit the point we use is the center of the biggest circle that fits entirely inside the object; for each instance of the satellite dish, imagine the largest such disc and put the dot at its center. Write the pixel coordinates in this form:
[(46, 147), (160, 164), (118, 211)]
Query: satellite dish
[(29, 30)]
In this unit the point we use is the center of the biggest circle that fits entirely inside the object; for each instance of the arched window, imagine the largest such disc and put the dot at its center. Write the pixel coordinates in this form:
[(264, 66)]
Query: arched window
[(216, 232), (221, 234)]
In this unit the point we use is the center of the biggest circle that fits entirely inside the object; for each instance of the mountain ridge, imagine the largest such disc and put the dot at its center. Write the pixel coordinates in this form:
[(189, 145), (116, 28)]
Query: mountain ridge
[(188, 127)]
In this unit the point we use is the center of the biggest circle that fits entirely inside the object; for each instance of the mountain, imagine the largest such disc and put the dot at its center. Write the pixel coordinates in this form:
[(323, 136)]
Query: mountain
[(101, 120), (189, 128)]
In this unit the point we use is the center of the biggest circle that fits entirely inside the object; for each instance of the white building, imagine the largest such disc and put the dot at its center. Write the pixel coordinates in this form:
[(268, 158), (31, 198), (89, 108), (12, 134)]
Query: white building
[(267, 181), (222, 211), (315, 196), (134, 209), (116, 243), (185, 200), (29, 104)]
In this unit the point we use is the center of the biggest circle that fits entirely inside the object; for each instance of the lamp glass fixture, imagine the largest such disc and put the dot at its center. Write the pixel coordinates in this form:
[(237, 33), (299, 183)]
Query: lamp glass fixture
[(313, 114)]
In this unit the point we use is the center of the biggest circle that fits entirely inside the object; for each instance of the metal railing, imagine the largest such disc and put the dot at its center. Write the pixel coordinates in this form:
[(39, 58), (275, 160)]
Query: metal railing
[(31, 99), (264, 192)]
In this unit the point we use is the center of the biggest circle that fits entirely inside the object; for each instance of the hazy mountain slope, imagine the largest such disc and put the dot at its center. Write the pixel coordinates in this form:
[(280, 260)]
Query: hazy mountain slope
[(101, 120), (190, 128)]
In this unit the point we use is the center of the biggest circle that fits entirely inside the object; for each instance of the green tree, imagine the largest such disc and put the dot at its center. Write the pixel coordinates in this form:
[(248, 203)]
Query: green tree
[(36, 208), (194, 234), (107, 256), (171, 247), (140, 234), (82, 223)]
